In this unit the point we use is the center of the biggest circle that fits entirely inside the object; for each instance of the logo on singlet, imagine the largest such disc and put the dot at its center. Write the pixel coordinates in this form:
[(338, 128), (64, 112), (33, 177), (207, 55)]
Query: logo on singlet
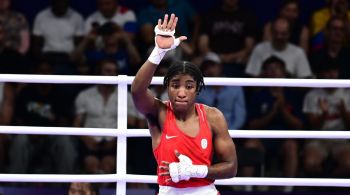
[(170, 137), (204, 143)]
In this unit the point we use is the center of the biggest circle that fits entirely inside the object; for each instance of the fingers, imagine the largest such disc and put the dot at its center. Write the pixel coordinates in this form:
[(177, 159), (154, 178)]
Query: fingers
[(173, 26), (164, 169), (165, 163), (168, 180), (166, 173), (169, 24), (159, 24), (165, 22), (183, 38), (164, 166), (171, 21)]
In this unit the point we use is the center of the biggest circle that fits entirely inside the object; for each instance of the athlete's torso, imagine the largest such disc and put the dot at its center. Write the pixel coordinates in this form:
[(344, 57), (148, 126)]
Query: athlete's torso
[(198, 148)]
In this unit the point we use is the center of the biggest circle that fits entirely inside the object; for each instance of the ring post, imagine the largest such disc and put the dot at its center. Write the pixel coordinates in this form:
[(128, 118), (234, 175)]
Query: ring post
[(122, 127)]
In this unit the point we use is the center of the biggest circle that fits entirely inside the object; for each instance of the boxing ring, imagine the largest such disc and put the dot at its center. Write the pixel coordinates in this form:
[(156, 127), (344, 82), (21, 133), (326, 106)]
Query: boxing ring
[(121, 177)]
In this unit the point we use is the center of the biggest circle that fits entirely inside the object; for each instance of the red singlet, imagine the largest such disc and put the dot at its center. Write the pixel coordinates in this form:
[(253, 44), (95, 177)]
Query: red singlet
[(198, 148)]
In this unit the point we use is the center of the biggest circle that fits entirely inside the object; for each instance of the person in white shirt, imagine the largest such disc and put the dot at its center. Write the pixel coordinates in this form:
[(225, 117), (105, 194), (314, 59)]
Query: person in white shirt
[(96, 107), (57, 30), (295, 58), (58, 26), (110, 11), (327, 109)]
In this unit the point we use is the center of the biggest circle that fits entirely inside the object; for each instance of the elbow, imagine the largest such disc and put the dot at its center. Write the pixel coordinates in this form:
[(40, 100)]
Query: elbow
[(233, 172), (133, 90)]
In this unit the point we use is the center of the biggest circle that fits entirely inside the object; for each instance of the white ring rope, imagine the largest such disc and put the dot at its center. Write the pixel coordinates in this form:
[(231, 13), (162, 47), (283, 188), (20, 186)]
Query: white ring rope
[(159, 80), (122, 177), (109, 178), (145, 132)]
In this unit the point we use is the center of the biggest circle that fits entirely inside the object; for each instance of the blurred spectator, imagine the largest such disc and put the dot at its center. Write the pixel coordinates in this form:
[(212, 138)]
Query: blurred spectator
[(96, 107), (188, 24), (275, 108), (117, 46), (319, 19), (38, 105), (56, 31), (7, 103), (14, 40), (230, 32), (81, 189), (327, 109), (299, 33), (111, 11), (334, 52), (228, 99), (15, 27), (297, 65)]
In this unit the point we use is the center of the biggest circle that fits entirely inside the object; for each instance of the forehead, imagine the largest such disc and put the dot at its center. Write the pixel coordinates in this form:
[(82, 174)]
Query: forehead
[(183, 78)]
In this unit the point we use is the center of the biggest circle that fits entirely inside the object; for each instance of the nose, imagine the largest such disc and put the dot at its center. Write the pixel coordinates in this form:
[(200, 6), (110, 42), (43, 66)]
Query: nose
[(182, 92)]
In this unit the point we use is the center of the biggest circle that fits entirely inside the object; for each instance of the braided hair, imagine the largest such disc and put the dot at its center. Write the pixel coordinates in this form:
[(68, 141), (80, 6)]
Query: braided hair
[(185, 68)]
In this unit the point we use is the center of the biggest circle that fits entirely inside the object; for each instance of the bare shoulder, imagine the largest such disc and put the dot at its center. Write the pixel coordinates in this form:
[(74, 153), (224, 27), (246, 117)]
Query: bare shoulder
[(215, 118)]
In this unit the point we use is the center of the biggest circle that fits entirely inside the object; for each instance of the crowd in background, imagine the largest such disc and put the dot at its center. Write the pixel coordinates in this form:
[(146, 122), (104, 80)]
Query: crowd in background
[(225, 41)]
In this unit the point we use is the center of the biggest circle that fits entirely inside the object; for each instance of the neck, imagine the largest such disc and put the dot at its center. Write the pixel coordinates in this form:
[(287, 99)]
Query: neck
[(229, 9), (105, 89), (334, 48), (111, 50), (184, 115), (279, 47)]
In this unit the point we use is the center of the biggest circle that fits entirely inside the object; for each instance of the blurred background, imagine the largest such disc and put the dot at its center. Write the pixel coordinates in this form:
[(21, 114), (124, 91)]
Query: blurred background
[(226, 38)]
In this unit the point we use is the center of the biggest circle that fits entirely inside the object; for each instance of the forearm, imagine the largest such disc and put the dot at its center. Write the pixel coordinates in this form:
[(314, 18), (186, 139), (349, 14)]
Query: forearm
[(134, 55), (223, 170), (143, 79), (317, 121), (262, 122), (80, 49), (346, 119), (292, 121), (25, 42)]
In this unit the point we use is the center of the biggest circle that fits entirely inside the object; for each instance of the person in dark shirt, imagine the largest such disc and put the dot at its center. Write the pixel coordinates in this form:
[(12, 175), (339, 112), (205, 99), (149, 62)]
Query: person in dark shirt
[(275, 108), (230, 32), (37, 105), (334, 53)]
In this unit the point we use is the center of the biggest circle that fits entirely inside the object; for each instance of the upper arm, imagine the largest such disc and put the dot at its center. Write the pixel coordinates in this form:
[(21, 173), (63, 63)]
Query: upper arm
[(222, 142), (305, 39), (203, 43), (267, 32), (146, 103), (8, 104)]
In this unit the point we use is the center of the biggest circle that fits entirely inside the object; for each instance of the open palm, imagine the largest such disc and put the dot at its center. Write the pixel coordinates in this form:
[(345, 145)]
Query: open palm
[(168, 25)]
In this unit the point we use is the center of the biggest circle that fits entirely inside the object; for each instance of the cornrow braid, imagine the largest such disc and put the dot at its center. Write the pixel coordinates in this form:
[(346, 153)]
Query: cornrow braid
[(185, 67)]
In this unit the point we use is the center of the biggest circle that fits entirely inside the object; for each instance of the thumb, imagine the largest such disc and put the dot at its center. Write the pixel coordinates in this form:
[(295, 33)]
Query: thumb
[(177, 153), (182, 38)]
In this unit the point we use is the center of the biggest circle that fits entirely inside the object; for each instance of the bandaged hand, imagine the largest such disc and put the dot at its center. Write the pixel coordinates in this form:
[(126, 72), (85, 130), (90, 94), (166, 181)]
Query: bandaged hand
[(164, 38), (184, 169)]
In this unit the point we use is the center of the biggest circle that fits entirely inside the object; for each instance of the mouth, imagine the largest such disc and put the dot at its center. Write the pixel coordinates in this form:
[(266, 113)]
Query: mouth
[(181, 102)]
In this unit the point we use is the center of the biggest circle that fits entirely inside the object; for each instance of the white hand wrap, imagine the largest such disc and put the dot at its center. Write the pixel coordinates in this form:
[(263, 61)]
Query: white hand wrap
[(184, 170), (158, 53)]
